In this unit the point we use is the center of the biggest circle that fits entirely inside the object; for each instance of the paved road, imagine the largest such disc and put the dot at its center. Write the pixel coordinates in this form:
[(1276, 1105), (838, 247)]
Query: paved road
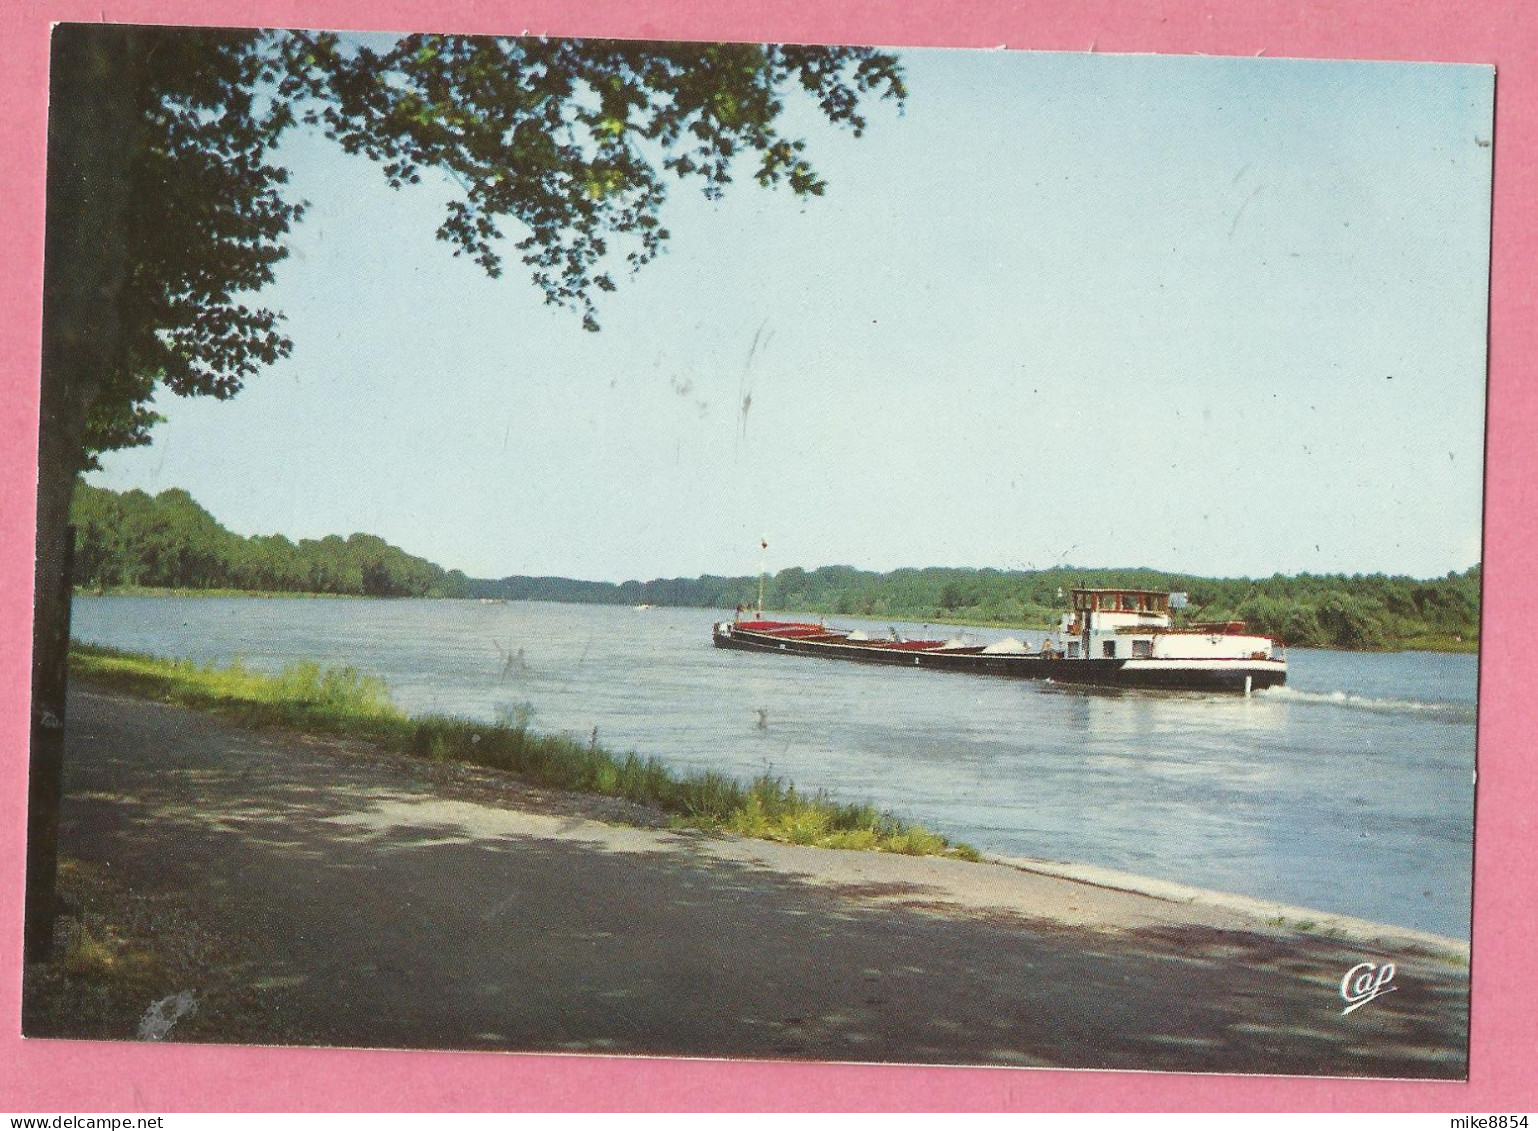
[(392, 903)]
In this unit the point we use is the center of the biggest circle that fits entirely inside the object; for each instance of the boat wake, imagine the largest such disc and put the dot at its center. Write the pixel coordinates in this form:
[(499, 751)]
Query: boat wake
[(1450, 712)]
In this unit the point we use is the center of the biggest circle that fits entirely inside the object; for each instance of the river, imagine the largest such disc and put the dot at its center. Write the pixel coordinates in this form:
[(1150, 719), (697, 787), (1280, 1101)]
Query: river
[(1350, 790)]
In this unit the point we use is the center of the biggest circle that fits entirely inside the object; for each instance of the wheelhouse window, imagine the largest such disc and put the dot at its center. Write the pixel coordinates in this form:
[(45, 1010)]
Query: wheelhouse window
[(1120, 601), (1142, 649), (1108, 649)]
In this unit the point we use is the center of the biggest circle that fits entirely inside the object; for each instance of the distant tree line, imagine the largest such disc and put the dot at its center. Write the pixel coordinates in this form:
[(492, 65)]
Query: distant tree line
[(132, 539), (169, 541), (705, 592), (1317, 610)]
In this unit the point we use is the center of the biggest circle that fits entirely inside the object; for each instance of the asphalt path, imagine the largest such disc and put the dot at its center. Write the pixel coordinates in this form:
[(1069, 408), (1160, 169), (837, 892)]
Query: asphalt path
[(388, 902)]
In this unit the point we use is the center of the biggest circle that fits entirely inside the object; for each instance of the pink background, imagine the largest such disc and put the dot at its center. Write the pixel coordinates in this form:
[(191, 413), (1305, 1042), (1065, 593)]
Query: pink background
[(64, 1076)]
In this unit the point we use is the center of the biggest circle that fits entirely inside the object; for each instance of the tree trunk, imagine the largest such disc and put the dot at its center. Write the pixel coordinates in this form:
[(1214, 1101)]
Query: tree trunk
[(93, 125)]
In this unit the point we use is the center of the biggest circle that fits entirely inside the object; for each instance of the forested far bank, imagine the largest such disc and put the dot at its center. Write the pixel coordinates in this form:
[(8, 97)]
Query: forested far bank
[(132, 540), (1311, 610)]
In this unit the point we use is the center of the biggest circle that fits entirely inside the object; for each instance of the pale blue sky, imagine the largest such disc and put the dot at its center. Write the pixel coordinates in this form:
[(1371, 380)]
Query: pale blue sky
[(1224, 316)]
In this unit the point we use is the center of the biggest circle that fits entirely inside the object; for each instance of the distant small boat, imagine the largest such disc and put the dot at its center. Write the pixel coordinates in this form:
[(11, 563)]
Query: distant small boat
[(641, 608), (1108, 638)]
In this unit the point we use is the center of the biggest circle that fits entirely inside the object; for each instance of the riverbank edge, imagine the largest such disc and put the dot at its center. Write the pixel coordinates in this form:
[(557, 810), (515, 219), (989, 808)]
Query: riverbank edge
[(1264, 912), (125, 942), (1258, 915), (1431, 642), (341, 702), (275, 594)]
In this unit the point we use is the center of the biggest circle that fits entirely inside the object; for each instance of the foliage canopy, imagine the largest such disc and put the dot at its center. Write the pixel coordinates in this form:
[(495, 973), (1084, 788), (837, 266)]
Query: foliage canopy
[(169, 541), (571, 142)]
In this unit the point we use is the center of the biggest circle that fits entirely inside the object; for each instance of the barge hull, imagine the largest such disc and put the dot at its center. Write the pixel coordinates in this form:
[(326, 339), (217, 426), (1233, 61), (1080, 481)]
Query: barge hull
[(1171, 675)]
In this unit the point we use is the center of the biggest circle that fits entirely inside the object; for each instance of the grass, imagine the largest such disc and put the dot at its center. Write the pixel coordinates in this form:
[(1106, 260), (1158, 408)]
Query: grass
[(1437, 642), (99, 958), (176, 591), (118, 951), (341, 701)]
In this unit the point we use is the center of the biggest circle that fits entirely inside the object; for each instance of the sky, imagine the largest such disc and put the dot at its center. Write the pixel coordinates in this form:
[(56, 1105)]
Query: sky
[(1216, 316)]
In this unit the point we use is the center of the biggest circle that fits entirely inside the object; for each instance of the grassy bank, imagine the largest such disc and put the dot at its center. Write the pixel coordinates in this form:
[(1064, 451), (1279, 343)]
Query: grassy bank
[(162, 591), (307, 697), (1435, 642)]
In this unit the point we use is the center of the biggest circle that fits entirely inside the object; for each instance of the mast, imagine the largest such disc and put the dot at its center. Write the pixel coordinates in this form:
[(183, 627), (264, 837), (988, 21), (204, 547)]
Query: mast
[(763, 568)]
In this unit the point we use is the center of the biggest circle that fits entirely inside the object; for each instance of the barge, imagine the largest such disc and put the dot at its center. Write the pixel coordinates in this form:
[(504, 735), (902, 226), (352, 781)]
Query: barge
[(1107, 638)]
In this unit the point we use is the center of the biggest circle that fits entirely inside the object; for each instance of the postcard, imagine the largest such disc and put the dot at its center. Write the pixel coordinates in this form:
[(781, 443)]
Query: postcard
[(759, 551)]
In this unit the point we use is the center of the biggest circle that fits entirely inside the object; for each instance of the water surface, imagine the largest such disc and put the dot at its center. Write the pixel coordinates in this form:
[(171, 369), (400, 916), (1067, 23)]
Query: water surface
[(1350, 790)]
